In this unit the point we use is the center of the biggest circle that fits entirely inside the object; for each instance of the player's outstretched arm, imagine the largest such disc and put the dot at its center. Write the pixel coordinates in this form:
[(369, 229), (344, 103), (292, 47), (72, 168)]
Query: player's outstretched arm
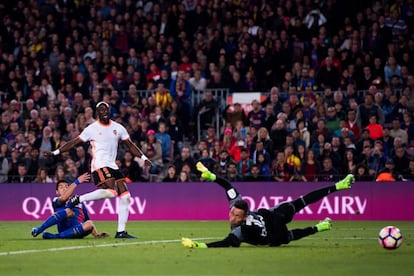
[(69, 191), (189, 243), (230, 241), (97, 234), (137, 152), (65, 147)]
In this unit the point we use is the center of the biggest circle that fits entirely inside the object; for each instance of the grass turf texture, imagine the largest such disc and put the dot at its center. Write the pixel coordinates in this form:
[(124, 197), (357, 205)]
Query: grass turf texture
[(350, 247)]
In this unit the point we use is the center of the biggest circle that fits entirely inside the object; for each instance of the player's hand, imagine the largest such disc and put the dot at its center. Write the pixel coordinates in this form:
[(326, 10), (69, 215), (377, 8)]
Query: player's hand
[(101, 235), (84, 177), (47, 153), (186, 242), (148, 163)]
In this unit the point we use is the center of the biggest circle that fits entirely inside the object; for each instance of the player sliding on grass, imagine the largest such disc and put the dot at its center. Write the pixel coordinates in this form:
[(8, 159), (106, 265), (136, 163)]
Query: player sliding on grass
[(72, 222), (265, 226)]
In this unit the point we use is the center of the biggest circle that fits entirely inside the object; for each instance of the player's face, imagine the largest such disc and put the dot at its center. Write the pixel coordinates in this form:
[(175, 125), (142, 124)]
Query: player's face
[(103, 114), (236, 216), (61, 189)]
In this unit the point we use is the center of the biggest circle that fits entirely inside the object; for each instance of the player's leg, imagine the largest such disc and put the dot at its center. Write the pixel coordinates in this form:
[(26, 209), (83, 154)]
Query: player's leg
[(232, 194), (289, 209), (75, 232), (123, 209), (317, 195), (296, 234), (54, 219), (105, 181)]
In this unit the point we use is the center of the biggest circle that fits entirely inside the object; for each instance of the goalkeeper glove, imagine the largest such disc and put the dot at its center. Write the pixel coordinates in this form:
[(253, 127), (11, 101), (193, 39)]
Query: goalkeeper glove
[(192, 244)]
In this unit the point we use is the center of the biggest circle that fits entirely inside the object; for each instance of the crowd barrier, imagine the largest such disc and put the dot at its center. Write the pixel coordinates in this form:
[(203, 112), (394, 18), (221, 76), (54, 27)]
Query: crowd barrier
[(207, 201)]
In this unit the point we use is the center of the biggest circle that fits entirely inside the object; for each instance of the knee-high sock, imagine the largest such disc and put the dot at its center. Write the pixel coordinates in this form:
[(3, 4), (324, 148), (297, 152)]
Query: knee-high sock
[(296, 234), (52, 220), (74, 232), (97, 194), (123, 211), (312, 197)]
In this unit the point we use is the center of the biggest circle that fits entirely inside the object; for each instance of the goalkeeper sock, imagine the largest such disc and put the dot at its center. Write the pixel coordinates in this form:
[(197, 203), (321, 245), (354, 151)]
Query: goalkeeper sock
[(75, 232), (98, 194), (52, 220), (296, 234), (312, 197)]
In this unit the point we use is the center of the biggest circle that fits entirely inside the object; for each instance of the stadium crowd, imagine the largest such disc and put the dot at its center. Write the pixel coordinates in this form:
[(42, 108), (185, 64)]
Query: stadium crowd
[(338, 78)]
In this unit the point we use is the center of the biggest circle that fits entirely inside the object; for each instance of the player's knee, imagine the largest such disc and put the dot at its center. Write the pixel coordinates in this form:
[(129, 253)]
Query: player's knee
[(121, 187), (69, 212), (88, 226)]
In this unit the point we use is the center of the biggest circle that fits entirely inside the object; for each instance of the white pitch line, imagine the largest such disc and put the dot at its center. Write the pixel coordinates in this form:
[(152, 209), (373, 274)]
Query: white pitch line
[(139, 243), (91, 246)]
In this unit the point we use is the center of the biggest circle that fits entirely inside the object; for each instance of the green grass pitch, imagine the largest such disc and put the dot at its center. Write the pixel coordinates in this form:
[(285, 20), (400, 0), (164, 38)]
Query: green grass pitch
[(350, 248)]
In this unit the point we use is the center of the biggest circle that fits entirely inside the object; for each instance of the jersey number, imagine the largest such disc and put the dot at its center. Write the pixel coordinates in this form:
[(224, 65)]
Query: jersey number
[(257, 221)]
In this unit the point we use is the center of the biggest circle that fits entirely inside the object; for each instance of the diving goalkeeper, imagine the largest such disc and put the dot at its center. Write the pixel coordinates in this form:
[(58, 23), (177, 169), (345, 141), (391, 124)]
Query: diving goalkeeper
[(265, 226)]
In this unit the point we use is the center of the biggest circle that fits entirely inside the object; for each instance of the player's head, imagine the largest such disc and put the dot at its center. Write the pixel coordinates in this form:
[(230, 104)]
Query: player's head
[(61, 187), (238, 213), (102, 111)]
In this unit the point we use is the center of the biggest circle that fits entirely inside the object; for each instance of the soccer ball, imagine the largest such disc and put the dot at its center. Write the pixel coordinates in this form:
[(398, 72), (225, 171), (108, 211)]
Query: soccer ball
[(390, 237)]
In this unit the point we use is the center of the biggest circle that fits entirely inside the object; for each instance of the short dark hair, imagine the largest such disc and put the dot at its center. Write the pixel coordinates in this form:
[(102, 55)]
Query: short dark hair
[(60, 181), (242, 205)]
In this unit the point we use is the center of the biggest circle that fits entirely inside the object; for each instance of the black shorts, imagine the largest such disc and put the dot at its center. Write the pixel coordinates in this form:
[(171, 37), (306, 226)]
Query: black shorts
[(102, 175), (285, 210)]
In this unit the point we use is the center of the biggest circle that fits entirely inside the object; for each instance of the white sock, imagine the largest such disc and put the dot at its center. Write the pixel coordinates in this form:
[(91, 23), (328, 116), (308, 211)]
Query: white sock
[(123, 211), (96, 195)]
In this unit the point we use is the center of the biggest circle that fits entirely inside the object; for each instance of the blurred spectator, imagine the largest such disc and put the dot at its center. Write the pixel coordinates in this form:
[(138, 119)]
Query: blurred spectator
[(183, 177), (361, 173), (198, 82), (280, 168), (367, 109), (254, 175), (151, 147), (408, 174), (245, 163), (21, 176), (180, 91), (228, 141), (162, 96), (375, 129), (387, 173), (400, 159), (205, 111), (232, 174), (42, 176), (71, 172), (396, 131), (223, 160), (82, 160), (184, 158), (256, 117), (310, 167), (165, 139), (171, 175), (59, 173), (176, 133), (376, 159), (328, 173), (264, 166), (131, 168), (292, 161), (4, 167), (234, 113)]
